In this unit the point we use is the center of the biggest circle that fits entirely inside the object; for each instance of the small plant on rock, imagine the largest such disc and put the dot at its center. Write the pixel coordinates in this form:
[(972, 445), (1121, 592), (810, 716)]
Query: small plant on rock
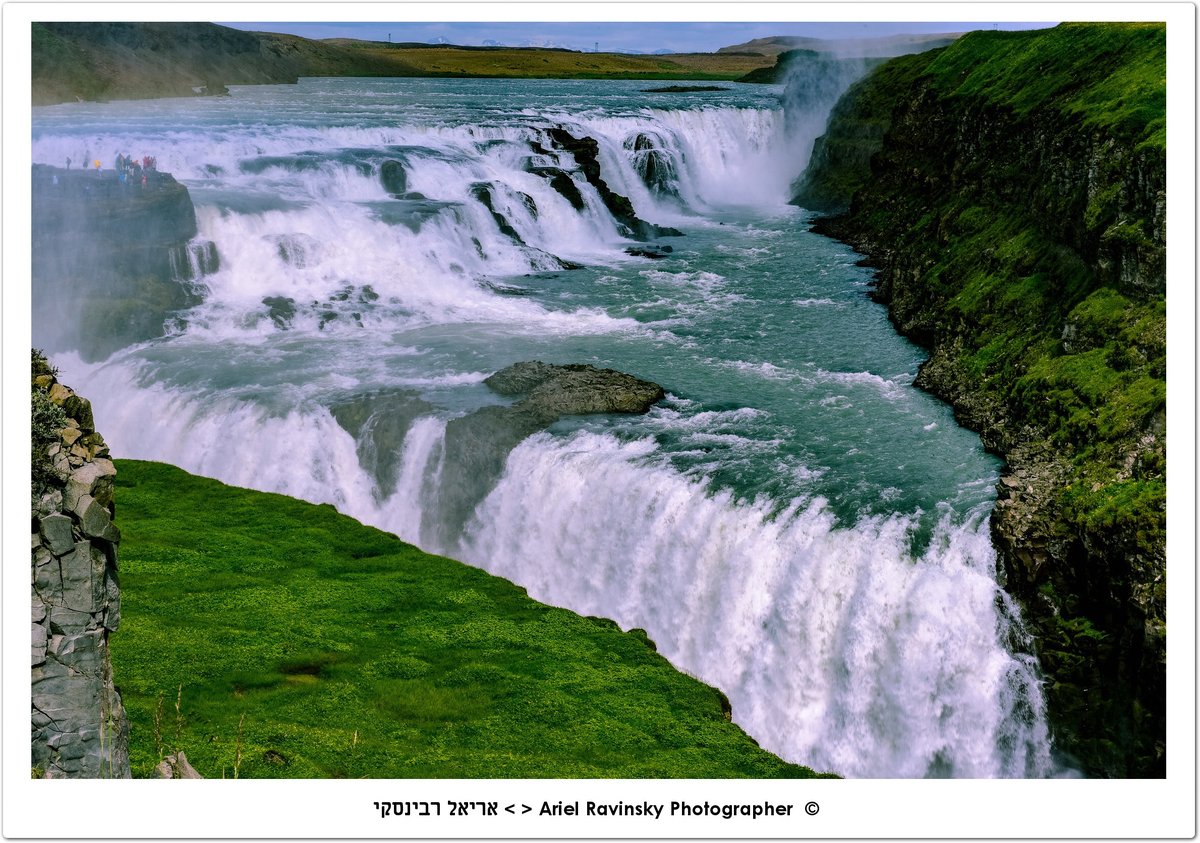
[(47, 419)]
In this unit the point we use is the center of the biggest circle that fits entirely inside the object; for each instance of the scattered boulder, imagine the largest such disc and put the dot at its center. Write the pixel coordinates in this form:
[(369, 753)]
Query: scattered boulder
[(281, 309), (394, 178), (652, 252)]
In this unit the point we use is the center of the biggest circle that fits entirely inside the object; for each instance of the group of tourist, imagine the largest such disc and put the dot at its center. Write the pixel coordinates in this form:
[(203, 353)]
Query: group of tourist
[(129, 170), (87, 162), (132, 171)]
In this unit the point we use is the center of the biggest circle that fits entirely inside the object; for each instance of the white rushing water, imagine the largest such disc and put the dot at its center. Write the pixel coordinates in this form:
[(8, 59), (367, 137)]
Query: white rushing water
[(834, 645), (796, 524)]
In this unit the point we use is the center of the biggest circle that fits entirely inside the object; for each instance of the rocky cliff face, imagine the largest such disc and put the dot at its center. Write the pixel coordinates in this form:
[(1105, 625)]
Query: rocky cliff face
[(78, 722), (129, 241), (1011, 191)]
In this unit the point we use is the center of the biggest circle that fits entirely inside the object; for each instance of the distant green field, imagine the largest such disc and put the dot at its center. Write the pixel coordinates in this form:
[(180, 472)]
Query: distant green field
[(300, 643), (556, 64)]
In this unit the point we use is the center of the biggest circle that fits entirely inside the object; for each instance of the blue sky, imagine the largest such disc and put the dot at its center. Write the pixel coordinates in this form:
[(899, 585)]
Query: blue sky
[(612, 36)]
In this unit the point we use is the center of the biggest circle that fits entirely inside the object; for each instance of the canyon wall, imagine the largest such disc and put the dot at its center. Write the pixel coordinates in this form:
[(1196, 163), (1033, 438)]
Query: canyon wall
[(1011, 191)]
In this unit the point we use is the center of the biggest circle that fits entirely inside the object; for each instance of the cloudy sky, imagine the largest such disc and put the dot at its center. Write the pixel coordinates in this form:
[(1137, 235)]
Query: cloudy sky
[(639, 37)]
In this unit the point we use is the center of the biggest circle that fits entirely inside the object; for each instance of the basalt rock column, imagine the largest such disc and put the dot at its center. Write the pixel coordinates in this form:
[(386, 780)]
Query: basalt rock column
[(78, 724)]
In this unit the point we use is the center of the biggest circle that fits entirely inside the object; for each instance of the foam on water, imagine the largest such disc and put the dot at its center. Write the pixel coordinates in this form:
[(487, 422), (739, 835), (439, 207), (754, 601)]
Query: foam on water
[(318, 228)]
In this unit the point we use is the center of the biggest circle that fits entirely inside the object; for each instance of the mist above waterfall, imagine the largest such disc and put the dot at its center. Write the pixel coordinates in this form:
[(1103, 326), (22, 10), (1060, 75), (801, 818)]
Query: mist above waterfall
[(813, 83)]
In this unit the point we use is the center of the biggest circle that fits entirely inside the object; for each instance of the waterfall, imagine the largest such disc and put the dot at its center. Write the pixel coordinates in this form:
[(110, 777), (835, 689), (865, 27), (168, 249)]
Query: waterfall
[(839, 646), (813, 83), (394, 256)]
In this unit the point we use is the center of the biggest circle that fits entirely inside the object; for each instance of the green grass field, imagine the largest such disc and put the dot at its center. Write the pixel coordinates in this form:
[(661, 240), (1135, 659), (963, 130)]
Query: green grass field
[(518, 63), (1111, 75), (300, 643)]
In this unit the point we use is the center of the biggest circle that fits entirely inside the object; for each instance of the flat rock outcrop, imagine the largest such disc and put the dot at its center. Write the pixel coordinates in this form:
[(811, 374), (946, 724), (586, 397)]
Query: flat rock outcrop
[(78, 724), (477, 445), (574, 389)]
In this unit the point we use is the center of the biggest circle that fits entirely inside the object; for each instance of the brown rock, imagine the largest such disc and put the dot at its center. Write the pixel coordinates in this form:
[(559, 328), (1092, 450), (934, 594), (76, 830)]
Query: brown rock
[(176, 767)]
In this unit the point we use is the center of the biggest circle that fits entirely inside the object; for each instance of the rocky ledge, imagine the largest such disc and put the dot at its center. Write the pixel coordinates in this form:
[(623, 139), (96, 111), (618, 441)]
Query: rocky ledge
[(112, 260), (586, 152)]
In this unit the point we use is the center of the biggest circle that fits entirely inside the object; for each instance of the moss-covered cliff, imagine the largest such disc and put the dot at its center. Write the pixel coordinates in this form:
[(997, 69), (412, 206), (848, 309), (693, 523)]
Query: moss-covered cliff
[(1011, 190)]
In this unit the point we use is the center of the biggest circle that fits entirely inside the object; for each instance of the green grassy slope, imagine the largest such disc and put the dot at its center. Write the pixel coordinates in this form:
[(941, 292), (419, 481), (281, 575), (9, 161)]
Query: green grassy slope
[(352, 654), (102, 61), (1112, 76), (144, 60)]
